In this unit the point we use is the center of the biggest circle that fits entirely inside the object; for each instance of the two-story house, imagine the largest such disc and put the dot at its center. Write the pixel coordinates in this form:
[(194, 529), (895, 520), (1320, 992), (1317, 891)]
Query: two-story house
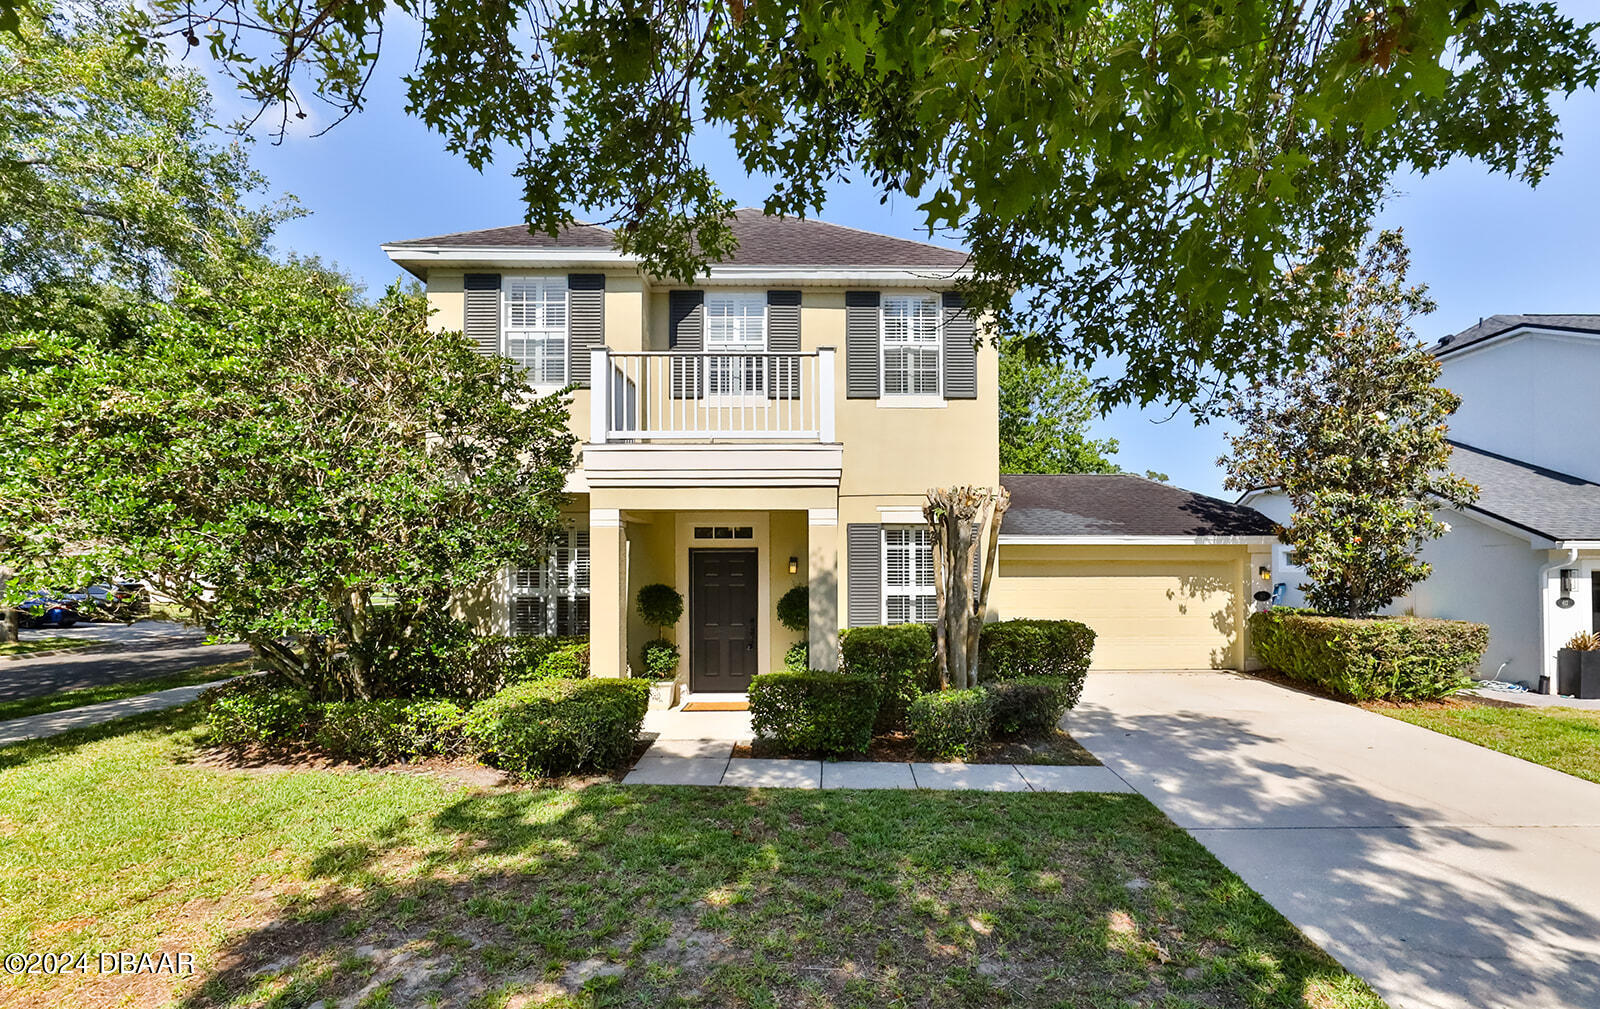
[(777, 424), (1525, 559)]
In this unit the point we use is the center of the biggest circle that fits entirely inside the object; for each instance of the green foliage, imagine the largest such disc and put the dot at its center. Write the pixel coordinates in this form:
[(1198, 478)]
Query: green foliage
[(1011, 649), (951, 724), (259, 710), (302, 470), (550, 727), (1356, 441), (659, 605), (814, 713), (1393, 658), (383, 732), (107, 161), (567, 662), (899, 657), (660, 659), (486, 664), (1171, 184), (1032, 706), (1045, 410), (794, 608), (797, 659)]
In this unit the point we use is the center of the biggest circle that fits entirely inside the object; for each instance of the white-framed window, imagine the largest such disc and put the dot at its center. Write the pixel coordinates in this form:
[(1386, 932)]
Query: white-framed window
[(912, 345), (736, 325), (553, 599), (908, 595), (534, 327)]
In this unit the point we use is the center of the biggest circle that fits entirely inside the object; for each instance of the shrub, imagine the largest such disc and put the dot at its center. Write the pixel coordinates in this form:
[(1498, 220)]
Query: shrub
[(569, 662), (1031, 706), (1396, 658), (812, 712), (951, 724), (259, 709), (484, 664), (798, 658), (794, 609), (385, 731), (548, 727), (659, 605), (899, 657), (660, 659), (1012, 648)]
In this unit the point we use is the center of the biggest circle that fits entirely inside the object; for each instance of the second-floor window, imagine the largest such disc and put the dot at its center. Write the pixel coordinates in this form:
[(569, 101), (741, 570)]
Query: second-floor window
[(736, 337), (908, 594), (535, 327), (911, 344)]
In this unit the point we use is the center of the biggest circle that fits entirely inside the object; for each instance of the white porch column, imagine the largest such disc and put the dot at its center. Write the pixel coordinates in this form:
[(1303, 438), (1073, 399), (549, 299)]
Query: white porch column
[(825, 396), (608, 593), (822, 568), (599, 395)]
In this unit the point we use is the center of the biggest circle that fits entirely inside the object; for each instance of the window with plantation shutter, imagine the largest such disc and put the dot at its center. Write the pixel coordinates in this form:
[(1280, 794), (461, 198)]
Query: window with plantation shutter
[(534, 329), (553, 599), (911, 345), (908, 593)]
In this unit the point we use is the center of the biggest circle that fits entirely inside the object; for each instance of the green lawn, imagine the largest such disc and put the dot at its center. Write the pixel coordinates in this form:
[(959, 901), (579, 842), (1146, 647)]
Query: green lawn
[(1567, 739), (50, 644), (25, 706), (401, 889)]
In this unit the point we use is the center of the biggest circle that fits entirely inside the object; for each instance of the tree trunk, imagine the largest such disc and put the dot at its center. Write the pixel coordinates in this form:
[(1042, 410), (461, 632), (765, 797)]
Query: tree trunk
[(13, 624), (958, 518)]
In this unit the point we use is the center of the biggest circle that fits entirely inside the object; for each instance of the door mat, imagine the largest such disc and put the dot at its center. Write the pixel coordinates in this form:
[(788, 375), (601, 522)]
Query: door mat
[(717, 706)]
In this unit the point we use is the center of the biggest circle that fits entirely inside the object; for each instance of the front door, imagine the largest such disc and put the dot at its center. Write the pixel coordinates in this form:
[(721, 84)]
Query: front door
[(722, 616)]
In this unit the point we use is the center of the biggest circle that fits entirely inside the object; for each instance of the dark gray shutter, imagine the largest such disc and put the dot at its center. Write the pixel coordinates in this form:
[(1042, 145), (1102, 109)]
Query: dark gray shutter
[(783, 337), (480, 317), (586, 322), (960, 353), (686, 326), (861, 344), (864, 572)]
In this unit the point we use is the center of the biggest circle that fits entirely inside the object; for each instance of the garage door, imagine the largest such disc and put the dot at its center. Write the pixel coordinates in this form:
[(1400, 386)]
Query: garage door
[(1146, 613)]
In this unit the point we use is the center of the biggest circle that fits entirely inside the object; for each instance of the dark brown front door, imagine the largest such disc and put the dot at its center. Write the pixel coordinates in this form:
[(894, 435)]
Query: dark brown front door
[(722, 615)]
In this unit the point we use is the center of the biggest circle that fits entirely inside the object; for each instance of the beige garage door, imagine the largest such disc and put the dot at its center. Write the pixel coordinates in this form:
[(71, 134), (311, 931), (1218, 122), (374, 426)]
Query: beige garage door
[(1148, 613)]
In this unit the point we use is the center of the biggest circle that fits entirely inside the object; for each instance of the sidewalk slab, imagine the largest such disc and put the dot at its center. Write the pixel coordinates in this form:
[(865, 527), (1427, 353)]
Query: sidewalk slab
[(969, 777), (746, 772), (867, 774), (676, 771), (1047, 778), (40, 726), (720, 749)]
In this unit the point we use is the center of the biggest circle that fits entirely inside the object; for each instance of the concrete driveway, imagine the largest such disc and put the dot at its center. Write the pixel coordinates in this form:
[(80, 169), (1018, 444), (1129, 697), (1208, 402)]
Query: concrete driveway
[(122, 653), (1446, 875)]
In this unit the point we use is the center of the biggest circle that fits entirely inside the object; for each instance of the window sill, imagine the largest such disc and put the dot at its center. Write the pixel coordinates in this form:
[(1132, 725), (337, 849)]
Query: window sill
[(544, 388), (912, 402)]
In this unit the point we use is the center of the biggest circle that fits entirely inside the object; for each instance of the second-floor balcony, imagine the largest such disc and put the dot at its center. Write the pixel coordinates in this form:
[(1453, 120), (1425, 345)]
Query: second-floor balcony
[(695, 397)]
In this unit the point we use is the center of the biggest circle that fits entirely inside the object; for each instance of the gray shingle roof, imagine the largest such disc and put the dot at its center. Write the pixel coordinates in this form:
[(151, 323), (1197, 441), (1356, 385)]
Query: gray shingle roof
[(1542, 501), (1095, 504), (763, 241), (1494, 325)]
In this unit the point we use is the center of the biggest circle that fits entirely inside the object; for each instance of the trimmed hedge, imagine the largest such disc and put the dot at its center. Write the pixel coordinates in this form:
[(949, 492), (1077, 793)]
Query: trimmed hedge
[(813, 712), (951, 724), (478, 668), (1031, 706), (568, 662), (259, 709), (1009, 649), (1394, 658), (265, 711), (899, 657), (659, 658), (549, 727)]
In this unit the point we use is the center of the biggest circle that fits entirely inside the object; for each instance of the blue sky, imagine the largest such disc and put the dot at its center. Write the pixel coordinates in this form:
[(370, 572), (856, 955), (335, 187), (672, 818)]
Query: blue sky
[(1484, 244)]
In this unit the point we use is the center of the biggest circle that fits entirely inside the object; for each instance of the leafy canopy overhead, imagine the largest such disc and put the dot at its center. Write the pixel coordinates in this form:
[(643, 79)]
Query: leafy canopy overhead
[(1171, 183), (1356, 441)]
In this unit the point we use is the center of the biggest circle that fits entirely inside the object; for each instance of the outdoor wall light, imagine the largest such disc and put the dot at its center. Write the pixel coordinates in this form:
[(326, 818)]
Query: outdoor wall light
[(1566, 601), (794, 565), (1264, 572)]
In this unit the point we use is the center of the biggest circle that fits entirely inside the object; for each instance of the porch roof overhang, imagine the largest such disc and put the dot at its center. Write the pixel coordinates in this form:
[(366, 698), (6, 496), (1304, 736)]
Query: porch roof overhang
[(623, 464)]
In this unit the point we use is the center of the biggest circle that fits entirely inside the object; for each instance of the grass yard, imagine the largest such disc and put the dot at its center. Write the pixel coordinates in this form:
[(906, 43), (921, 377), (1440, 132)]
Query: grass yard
[(389, 889), (24, 706), (1567, 739), (52, 643)]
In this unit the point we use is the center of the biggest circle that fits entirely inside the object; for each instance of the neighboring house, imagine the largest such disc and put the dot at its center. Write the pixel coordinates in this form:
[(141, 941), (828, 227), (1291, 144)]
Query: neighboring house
[(1525, 559), (777, 424)]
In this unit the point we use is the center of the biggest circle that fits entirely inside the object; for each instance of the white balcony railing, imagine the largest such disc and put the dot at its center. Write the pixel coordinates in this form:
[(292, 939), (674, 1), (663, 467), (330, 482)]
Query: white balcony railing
[(686, 396)]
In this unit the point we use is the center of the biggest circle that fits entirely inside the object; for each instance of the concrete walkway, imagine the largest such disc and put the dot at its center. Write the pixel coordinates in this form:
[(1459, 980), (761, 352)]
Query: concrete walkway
[(1447, 875), (39, 726)]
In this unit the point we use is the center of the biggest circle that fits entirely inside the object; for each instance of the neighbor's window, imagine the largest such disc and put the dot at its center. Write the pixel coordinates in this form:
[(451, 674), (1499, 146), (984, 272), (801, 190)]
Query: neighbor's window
[(553, 599), (736, 326), (911, 345), (535, 327), (908, 595)]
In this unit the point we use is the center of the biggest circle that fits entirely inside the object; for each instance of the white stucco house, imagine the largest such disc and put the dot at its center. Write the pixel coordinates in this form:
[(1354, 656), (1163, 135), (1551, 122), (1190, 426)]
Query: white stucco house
[(1525, 559)]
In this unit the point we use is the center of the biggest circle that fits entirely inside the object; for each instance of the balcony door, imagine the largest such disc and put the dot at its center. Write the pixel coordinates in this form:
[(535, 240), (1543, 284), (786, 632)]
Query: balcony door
[(723, 611)]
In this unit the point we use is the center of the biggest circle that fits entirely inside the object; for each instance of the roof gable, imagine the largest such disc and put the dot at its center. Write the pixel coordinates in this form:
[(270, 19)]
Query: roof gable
[(1554, 505), (1498, 325), (1120, 504)]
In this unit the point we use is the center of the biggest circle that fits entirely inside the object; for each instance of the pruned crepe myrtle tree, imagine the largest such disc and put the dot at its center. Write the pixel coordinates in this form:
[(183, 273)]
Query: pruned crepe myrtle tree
[(1356, 440), (1169, 182), (303, 470), (964, 523)]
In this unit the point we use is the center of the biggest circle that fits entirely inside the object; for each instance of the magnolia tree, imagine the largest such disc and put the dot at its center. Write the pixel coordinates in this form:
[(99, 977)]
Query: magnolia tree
[(964, 523), (1356, 440), (303, 470)]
